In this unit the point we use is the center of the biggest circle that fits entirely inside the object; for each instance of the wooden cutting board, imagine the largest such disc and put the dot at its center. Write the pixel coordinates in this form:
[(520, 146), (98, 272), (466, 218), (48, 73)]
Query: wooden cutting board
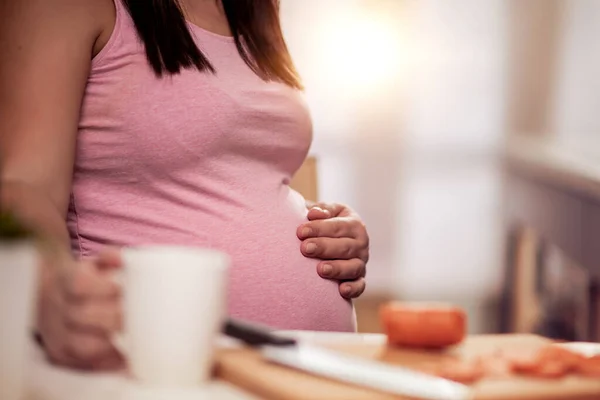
[(246, 369)]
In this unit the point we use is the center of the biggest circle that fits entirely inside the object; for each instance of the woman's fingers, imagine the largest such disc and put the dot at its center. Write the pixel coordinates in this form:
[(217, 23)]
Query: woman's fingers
[(353, 289), (88, 348), (316, 236), (330, 209), (84, 280), (95, 354), (109, 259), (331, 248), (318, 213), (100, 316), (333, 228), (79, 310), (112, 361), (351, 273), (60, 357), (343, 270)]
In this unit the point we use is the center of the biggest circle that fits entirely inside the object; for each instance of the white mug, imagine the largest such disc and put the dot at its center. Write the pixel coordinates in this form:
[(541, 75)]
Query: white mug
[(173, 309), (18, 277)]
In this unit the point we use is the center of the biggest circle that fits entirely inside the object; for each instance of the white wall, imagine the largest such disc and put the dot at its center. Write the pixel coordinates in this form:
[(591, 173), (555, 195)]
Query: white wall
[(577, 99), (449, 246), (457, 91)]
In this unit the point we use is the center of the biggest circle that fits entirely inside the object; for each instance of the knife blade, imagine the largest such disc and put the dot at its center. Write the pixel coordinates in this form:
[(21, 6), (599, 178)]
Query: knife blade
[(335, 365)]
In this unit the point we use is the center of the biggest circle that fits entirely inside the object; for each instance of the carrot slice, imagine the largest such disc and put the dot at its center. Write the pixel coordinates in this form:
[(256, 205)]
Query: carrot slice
[(523, 364), (589, 367), (551, 369), (569, 358), (549, 362)]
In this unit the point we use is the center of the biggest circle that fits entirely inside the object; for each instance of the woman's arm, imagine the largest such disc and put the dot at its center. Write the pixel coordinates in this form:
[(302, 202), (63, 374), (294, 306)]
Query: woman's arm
[(45, 52), (46, 47)]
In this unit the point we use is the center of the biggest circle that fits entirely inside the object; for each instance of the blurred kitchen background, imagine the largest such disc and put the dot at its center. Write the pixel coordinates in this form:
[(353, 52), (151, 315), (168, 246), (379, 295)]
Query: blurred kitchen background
[(416, 104)]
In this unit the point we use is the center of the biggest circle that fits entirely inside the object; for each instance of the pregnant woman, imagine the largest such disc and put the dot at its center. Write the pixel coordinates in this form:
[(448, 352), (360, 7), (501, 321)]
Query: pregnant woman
[(128, 123)]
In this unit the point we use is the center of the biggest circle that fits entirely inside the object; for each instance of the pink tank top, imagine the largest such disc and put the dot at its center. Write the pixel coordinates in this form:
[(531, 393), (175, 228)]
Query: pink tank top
[(201, 160)]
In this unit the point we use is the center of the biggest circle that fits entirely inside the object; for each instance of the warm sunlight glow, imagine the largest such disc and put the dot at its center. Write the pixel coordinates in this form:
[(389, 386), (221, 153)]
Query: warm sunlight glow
[(359, 52)]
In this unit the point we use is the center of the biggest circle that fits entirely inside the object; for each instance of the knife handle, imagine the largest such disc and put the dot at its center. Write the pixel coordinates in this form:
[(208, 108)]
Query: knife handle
[(254, 334)]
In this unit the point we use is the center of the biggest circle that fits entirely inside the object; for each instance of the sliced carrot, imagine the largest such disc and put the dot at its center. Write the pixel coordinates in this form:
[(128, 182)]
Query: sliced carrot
[(548, 362), (569, 358), (589, 367), (551, 369), (523, 364)]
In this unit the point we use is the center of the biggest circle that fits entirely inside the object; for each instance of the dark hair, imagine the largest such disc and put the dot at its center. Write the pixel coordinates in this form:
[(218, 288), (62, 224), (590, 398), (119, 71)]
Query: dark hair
[(254, 24)]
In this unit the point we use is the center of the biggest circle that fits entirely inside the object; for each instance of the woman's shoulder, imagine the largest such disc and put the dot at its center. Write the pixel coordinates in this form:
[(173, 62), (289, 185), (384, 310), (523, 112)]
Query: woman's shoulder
[(99, 18), (90, 20)]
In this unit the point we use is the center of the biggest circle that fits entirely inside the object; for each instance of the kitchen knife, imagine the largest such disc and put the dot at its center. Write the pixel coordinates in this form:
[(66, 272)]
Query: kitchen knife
[(349, 369)]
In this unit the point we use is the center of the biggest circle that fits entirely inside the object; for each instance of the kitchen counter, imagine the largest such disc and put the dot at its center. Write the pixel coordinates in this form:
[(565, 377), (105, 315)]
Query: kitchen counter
[(47, 382), (243, 375)]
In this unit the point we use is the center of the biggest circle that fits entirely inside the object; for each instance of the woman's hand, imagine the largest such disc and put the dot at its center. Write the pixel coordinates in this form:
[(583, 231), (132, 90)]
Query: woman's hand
[(336, 235), (79, 309)]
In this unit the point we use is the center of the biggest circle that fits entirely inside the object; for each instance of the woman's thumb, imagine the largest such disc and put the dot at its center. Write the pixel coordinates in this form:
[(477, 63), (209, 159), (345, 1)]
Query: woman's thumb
[(109, 259)]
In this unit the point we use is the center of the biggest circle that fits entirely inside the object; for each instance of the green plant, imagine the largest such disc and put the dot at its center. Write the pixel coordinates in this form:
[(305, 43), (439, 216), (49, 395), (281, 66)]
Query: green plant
[(11, 228)]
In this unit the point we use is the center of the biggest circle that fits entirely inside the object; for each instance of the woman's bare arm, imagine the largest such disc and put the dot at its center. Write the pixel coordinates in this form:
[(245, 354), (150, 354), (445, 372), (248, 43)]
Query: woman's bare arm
[(46, 48), (45, 52)]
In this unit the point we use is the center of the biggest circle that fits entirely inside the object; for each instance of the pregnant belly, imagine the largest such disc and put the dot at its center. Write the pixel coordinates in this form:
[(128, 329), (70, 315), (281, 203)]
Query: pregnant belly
[(272, 283)]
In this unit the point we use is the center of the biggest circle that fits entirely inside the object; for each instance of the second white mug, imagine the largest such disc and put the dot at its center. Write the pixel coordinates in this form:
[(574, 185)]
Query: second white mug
[(18, 282)]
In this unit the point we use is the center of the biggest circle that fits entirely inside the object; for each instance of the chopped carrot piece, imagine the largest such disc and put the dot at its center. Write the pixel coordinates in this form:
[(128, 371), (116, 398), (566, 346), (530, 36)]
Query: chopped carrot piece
[(569, 358), (523, 364), (589, 367), (551, 369), (548, 362)]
